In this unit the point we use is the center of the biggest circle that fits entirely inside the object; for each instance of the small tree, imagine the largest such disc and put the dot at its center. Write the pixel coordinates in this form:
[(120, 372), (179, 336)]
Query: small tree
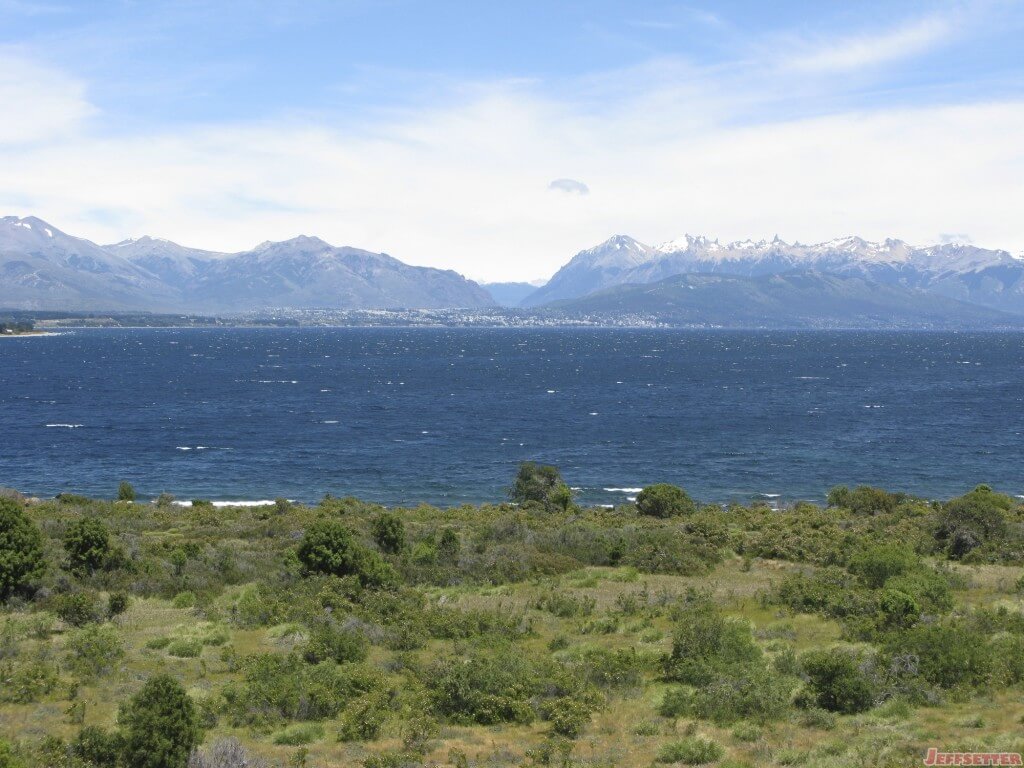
[(664, 500), (328, 547), (449, 547), (968, 521), (125, 491), (160, 725), (542, 485), (389, 533), (837, 682), (21, 549), (87, 543)]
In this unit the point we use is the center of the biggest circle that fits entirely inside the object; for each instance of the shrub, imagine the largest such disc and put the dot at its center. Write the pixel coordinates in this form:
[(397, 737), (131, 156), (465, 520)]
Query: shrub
[(330, 642), (160, 725), (125, 491), (77, 608), (971, 520), (864, 500), (87, 543), (704, 642), (541, 485), (185, 648), (484, 688), (836, 681), (448, 547), (664, 500), (947, 655), (668, 551), (298, 734), (21, 549), (97, 747), (225, 753), (26, 682), (748, 692), (877, 564), (694, 750), (389, 533), (568, 716), (364, 717), (329, 547), (117, 603), (7, 757), (94, 650)]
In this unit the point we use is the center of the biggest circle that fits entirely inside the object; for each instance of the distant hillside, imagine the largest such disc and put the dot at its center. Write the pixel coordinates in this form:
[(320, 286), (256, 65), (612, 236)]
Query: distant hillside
[(798, 299), (44, 268), (991, 278), (509, 294)]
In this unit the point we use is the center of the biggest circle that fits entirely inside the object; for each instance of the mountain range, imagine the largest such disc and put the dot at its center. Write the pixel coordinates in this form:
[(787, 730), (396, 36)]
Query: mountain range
[(42, 267), (693, 280), (989, 278)]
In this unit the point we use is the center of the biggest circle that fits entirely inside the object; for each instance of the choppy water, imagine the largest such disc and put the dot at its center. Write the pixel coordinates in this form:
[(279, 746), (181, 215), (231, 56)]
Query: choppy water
[(444, 415)]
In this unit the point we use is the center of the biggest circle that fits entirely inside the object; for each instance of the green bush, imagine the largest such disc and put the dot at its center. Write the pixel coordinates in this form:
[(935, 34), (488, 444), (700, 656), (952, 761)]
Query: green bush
[(694, 750), (185, 648), (864, 500), (26, 681), (364, 717), (22, 558), (94, 650), (87, 543), (8, 759), (948, 655), (669, 551), (972, 520), (664, 500), (837, 682), (876, 564), (389, 533), (329, 547), (78, 608), (569, 716), (705, 643), (329, 642), (484, 688), (125, 491), (97, 747), (750, 692), (160, 725), (542, 485), (117, 603), (298, 734)]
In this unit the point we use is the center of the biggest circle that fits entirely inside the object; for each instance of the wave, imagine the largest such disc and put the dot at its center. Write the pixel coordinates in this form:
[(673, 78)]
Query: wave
[(233, 503), (66, 426), (622, 490)]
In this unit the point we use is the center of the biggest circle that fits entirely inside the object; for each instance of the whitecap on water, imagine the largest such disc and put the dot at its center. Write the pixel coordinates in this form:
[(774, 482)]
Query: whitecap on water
[(66, 426), (622, 490)]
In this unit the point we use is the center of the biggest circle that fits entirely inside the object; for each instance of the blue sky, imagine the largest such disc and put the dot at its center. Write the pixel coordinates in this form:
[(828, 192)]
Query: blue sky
[(434, 131)]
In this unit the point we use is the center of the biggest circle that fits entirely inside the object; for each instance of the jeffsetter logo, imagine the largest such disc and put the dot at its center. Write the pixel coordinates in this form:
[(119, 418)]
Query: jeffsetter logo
[(934, 757)]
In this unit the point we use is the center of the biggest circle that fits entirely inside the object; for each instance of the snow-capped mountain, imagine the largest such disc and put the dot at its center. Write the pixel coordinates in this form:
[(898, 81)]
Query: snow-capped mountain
[(41, 267), (991, 278), (595, 268), (44, 268)]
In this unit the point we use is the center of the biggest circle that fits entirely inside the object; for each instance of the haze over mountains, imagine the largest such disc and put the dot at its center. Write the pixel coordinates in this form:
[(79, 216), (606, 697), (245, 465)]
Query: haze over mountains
[(44, 268), (689, 281)]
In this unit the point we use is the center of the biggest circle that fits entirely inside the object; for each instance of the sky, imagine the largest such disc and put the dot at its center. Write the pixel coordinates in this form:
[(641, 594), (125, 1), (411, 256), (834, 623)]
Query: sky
[(498, 139)]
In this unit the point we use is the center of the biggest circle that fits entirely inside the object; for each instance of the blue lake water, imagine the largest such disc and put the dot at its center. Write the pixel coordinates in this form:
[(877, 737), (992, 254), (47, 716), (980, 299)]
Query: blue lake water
[(444, 415)]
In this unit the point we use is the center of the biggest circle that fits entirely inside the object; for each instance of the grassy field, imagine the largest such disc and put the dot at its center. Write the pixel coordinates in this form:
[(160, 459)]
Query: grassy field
[(529, 598)]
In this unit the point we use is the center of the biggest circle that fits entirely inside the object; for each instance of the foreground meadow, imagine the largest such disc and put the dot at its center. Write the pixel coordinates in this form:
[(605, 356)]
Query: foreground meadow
[(535, 633)]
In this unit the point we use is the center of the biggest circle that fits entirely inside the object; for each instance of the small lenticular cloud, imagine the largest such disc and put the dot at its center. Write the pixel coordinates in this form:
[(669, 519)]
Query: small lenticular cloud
[(569, 186)]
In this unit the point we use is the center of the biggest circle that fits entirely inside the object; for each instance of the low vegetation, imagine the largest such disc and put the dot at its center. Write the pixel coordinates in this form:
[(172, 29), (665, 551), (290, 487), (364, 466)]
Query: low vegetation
[(527, 633)]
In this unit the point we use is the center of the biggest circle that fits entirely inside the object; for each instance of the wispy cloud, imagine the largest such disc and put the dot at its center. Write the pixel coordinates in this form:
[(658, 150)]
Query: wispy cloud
[(569, 186), (874, 48)]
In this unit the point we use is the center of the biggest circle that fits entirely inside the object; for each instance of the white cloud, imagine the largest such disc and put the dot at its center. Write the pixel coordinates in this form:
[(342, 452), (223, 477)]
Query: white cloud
[(40, 103), (569, 187), (465, 185)]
